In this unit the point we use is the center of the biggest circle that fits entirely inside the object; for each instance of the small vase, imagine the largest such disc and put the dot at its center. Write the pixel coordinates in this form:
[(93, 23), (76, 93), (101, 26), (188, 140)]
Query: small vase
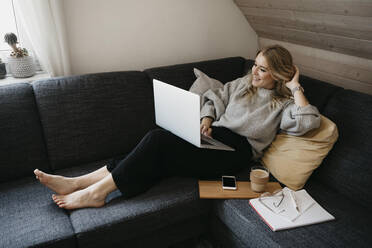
[(2, 71), (21, 67)]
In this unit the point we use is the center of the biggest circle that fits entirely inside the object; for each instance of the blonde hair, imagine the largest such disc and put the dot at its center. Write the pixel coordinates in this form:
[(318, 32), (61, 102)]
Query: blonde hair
[(282, 70)]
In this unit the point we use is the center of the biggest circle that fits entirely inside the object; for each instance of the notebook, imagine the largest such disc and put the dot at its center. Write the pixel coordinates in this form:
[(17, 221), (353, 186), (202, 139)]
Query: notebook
[(286, 216)]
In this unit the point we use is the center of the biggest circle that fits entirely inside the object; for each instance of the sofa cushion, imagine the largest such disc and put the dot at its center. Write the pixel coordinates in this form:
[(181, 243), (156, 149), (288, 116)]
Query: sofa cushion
[(169, 202), (92, 117), (292, 159), (347, 168), (183, 76), (350, 229), (21, 138), (29, 217)]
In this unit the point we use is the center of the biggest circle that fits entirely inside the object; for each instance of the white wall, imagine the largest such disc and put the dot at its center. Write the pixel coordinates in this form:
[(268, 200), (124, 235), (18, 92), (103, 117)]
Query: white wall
[(111, 35)]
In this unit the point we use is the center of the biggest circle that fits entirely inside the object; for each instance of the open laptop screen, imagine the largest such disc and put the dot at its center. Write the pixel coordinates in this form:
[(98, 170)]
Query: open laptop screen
[(178, 111)]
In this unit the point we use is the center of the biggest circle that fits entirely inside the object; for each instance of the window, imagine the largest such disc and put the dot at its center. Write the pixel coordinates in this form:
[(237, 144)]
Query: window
[(7, 21), (8, 24)]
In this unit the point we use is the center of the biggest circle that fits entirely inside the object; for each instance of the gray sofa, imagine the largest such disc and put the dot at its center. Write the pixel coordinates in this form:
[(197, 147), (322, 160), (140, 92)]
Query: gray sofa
[(72, 125)]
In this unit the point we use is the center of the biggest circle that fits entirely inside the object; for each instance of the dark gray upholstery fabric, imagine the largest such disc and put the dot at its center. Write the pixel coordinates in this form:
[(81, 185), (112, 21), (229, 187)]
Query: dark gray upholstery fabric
[(29, 217), (350, 229), (169, 235), (318, 92), (248, 66), (92, 117), (21, 139), (182, 75), (347, 168), (222, 236), (171, 201)]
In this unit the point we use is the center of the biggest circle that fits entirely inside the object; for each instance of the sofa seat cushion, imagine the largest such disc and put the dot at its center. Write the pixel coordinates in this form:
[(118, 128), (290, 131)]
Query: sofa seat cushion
[(171, 201), (29, 217), (350, 229)]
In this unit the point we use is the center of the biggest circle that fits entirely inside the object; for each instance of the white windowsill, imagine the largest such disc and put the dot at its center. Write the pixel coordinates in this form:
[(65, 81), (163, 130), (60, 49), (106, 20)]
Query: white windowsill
[(11, 80)]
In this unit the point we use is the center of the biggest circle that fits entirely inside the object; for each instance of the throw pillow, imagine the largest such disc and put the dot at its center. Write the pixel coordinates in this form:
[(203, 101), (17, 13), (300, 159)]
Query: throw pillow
[(203, 83), (292, 159)]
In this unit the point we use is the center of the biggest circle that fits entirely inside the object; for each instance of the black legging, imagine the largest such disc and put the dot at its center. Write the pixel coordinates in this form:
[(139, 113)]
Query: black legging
[(161, 154)]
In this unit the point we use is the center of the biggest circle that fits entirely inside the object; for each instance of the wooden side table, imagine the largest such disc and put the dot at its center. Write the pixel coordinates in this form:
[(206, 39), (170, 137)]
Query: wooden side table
[(214, 190)]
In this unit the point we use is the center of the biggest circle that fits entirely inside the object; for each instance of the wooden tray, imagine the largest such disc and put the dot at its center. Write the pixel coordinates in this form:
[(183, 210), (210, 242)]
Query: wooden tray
[(213, 190)]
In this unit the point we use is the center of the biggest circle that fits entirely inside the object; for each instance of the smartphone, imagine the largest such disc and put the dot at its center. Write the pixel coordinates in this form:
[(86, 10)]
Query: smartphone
[(229, 182)]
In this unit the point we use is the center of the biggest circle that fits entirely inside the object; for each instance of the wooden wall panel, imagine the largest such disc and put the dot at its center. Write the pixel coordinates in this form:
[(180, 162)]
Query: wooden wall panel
[(342, 70), (355, 47), (316, 32), (337, 79), (339, 68), (337, 7), (295, 21), (348, 26)]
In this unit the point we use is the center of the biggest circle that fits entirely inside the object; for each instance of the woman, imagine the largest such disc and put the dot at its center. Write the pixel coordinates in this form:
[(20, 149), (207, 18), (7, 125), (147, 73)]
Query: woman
[(246, 114)]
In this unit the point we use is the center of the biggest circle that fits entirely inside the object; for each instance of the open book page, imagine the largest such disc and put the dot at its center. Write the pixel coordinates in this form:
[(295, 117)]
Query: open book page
[(301, 198), (285, 215), (289, 204)]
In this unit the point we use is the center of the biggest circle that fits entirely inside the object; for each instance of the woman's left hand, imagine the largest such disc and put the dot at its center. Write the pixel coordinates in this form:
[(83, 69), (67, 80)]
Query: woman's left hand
[(294, 81), (299, 99)]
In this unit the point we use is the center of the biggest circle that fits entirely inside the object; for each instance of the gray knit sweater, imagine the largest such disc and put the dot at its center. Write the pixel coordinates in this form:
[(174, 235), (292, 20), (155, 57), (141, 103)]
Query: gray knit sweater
[(253, 116)]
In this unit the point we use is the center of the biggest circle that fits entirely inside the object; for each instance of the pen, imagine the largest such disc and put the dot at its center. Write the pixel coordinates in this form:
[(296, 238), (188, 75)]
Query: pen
[(294, 201)]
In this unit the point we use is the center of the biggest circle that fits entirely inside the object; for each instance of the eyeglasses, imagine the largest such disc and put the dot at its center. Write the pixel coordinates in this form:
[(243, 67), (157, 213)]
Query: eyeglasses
[(272, 201)]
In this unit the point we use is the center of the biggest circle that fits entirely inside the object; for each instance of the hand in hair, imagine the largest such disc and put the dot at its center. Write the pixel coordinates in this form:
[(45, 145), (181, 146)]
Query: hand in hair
[(294, 81), (299, 98)]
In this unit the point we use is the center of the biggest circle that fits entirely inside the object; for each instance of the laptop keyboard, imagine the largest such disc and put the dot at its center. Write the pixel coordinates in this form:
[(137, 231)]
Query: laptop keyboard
[(204, 142)]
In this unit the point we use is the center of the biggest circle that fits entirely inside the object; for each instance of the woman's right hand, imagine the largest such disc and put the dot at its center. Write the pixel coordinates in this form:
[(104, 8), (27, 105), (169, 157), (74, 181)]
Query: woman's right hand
[(205, 126)]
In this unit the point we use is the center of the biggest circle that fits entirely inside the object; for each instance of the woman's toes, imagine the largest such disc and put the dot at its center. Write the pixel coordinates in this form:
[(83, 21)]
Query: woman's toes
[(58, 200), (55, 198), (37, 172), (39, 175)]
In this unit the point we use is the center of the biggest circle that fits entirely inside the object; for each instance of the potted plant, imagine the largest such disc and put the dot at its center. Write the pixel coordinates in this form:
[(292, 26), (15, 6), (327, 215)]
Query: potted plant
[(2, 70), (21, 65)]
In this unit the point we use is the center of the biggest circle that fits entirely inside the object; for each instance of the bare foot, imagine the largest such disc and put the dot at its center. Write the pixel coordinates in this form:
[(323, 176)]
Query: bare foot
[(59, 184), (80, 199)]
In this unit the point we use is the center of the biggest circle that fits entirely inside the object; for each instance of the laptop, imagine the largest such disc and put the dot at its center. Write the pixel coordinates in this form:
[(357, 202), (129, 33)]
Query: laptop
[(178, 111)]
